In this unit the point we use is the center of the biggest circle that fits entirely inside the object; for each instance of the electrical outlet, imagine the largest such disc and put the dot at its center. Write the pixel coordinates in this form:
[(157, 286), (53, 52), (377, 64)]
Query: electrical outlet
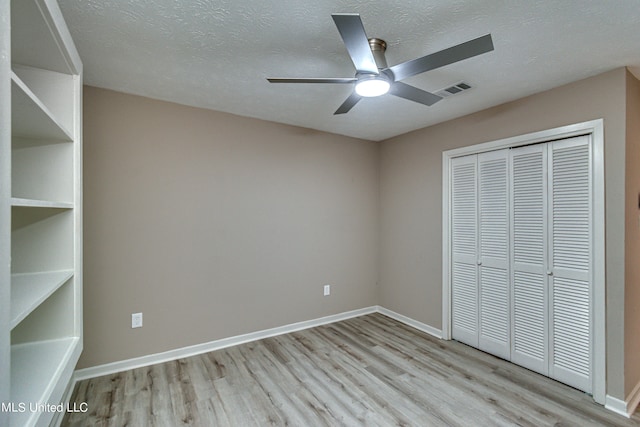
[(327, 290), (136, 320)]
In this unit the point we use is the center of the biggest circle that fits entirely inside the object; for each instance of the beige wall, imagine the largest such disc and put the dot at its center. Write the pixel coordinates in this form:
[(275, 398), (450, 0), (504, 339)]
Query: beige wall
[(410, 271), (632, 242), (215, 225)]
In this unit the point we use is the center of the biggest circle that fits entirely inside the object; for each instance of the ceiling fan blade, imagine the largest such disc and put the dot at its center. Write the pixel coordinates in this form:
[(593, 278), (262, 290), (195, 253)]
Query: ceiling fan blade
[(411, 93), (444, 57), (355, 39), (311, 80), (348, 103)]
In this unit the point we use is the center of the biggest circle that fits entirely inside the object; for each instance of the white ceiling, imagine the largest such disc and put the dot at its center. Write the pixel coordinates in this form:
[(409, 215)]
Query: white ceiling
[(217, 54)]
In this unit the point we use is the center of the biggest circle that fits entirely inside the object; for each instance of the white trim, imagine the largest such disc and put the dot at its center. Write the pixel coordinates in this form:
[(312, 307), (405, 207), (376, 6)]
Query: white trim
[(151, 359), (633, 399), (599, 264), (138, 362), (58, 416), (61, 35), (625, 407), (446, 246), (616, 405), (595, 128), (411, 322)]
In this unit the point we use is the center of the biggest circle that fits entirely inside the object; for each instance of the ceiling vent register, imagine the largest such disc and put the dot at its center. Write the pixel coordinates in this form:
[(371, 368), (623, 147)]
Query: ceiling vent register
[(453, 90)]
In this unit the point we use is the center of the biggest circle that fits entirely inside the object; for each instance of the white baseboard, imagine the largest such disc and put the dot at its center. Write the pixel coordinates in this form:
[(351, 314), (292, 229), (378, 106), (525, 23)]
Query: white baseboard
[(633, 400), (624, 407), (138, 362), (411, 322), (616, 405)]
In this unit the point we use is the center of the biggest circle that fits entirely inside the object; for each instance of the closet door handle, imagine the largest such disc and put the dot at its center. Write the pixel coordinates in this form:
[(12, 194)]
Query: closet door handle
[(479, 262), (549, 273)]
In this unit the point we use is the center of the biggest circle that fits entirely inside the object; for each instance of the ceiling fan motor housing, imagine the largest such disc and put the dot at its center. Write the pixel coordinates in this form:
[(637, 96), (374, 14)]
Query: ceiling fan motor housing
[(370, 84), (378, 48)]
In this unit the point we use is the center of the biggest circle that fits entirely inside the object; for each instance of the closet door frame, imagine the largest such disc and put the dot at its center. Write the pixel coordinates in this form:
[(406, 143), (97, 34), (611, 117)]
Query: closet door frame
[(595, 129)]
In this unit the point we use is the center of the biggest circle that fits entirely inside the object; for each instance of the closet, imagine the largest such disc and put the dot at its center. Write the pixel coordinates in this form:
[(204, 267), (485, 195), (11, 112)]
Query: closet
[(521, 238)]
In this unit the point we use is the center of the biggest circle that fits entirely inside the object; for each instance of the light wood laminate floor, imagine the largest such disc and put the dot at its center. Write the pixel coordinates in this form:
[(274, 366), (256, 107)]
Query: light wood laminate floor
[(369, 370)]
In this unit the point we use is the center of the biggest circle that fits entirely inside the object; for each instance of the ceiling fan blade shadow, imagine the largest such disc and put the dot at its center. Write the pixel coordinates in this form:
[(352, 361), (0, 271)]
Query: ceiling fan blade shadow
[(411, 93), (444, 57), (338, 80), (348, 103), (355, 39)]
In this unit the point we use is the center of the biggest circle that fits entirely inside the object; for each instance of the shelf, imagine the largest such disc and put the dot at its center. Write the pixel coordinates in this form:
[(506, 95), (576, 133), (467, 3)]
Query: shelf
[(29, 290), (55, 90), (24, 216), (40, 38), (36, 368), (32, 203), (42, 239), (30, 118), (42, 172), (18, 142)]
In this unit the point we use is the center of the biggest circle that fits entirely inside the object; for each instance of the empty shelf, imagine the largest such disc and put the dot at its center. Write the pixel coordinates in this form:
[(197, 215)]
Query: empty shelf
[(30, 118), (29, 290)]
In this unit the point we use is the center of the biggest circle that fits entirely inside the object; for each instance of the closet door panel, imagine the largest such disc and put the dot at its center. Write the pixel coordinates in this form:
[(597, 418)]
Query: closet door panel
[(494, 312), (570, 253), (464, 245), (529, 317), (494, 309), (571, 332), (530, 325)]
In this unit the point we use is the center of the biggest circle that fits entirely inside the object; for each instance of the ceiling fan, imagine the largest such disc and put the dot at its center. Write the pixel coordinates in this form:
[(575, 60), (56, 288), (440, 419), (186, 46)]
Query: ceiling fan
[(374, 77)]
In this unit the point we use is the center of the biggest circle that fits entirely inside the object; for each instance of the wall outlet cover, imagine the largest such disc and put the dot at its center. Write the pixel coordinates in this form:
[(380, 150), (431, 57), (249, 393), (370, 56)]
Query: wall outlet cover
[(136, 320)]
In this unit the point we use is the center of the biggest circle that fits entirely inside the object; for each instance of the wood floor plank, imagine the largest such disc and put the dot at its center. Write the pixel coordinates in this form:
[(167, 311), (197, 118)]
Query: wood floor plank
[(352, 383), (370, 371)]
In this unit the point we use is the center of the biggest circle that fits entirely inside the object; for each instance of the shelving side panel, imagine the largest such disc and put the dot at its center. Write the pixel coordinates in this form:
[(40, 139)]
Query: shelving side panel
[(5, 206), (43, 172), (78, 210)]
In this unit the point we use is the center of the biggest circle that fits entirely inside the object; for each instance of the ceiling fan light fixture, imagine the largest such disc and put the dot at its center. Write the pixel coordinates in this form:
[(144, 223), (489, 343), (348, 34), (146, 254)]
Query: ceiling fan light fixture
[(372, 85)]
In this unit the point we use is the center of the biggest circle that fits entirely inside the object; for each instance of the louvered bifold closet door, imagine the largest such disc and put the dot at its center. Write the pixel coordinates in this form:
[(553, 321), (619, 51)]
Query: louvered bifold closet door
[(529, 346), (570, 201), (493, 271), (464, 250)]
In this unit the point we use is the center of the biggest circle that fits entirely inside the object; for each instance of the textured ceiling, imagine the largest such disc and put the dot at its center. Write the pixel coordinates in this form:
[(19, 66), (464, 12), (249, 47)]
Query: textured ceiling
[(217, 54)]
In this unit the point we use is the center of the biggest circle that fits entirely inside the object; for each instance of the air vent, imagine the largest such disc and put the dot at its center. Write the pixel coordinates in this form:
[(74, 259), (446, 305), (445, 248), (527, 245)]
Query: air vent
[(452, 90)]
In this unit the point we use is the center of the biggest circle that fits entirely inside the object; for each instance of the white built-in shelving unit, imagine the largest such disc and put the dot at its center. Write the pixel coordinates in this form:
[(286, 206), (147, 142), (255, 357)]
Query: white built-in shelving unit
[(41, 210)]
